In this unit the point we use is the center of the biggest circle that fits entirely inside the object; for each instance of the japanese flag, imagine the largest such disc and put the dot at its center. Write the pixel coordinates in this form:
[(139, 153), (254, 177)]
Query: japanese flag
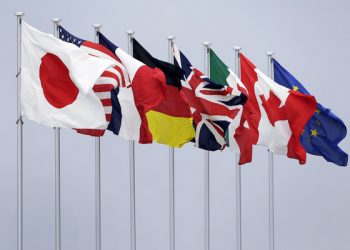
[(57, 80)]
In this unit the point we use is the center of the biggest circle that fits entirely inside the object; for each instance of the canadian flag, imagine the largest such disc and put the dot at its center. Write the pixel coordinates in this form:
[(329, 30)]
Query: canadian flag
[(273, 116), (57, 80)]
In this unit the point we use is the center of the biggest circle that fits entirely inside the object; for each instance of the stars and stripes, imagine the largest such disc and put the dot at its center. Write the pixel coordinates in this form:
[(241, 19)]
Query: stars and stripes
[(110, 79)]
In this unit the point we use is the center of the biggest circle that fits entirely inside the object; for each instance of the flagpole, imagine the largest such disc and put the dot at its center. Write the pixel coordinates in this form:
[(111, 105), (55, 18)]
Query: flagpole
[(97, 28), (19, 123), (130, 35), (238, 171), (56, 23), (206, 163), (271, 175), (171, 167)]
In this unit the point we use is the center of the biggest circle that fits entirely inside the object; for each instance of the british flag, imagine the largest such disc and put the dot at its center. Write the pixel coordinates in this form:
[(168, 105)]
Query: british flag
[(213, 106), (112, 78)]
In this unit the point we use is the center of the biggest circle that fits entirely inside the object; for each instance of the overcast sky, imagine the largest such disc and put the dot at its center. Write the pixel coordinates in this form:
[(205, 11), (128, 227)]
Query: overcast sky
[(311, 39)]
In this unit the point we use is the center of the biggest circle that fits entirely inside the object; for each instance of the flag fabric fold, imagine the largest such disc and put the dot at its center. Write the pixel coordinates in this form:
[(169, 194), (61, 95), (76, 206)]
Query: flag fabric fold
[(74, 83), (57, 82), (110, 79), (221, 74), (170, 122), (274, 116), (214, 106), (324, 131), (148, 89)]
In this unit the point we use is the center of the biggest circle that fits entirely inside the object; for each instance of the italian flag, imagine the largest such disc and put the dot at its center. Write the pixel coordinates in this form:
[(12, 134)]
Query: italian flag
[(221, 74)]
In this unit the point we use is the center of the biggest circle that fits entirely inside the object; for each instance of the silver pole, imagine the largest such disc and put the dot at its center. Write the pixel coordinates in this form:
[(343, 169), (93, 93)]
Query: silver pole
[(19, 122), (171, 167), (206, 163), (130, 35), (97, 28), (238, 171), (271, 177), (56, 23)]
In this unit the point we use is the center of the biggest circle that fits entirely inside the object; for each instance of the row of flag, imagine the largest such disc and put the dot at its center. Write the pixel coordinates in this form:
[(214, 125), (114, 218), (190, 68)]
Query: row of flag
[(70, 82)]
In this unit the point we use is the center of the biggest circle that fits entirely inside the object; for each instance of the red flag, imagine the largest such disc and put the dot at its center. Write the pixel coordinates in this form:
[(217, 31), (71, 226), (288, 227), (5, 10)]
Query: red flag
[(273, 116)]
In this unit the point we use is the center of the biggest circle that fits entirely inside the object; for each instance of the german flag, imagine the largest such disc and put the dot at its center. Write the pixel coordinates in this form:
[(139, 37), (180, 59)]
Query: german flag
[(170, 122)]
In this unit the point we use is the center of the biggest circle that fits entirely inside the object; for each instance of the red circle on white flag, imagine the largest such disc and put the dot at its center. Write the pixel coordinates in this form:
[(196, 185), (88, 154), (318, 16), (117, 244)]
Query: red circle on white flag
[(59, 89)]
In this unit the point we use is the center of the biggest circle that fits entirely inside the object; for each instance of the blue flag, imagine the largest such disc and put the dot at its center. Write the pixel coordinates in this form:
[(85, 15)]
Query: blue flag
[(324, 130)]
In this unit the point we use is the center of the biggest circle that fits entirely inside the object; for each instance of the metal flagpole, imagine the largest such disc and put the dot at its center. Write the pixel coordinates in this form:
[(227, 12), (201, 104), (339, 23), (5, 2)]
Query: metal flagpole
[(97, 28), (19, 122), (171, 167), (206, 163), (130, 35), (56, 22), (238, 171), (270, 161)]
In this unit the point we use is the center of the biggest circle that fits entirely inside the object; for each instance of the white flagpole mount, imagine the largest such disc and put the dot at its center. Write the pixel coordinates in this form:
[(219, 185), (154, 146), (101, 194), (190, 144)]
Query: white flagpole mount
[(270, 54), (56, 21), (206, 44), (97, 28), (130, 32), (19, 13)]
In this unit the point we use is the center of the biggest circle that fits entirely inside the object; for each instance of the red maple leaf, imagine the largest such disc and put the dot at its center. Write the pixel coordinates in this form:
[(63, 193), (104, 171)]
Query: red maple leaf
[(273, 110)]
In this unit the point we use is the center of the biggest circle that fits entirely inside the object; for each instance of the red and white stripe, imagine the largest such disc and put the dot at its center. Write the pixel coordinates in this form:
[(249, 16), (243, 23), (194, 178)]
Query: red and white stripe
[(112, 78)]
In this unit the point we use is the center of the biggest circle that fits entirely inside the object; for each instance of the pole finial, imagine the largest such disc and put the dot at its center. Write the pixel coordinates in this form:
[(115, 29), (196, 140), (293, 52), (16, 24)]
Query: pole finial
[(56, 19), (237, 48), (270, 53), (206, 44), (19, 13), (170, 37), (97, 25), (130, 32)]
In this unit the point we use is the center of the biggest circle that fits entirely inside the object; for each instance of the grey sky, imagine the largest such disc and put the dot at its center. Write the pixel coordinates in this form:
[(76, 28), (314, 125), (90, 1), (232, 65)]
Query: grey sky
[(310, 38)]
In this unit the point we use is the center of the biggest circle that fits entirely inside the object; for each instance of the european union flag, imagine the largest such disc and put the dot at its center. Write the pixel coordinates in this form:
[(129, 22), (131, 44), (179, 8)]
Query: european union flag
[(324, 130)]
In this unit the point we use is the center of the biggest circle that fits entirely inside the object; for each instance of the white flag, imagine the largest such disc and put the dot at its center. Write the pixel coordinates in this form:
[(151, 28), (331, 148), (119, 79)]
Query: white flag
[(57, 80)]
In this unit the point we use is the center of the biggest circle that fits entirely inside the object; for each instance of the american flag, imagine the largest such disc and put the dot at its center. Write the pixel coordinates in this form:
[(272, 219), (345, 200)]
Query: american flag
[(112, 78), (213, 106)]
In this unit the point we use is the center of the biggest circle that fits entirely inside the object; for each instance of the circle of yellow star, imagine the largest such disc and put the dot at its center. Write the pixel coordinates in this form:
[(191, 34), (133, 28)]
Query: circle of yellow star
[(314, 132), (295, 88)]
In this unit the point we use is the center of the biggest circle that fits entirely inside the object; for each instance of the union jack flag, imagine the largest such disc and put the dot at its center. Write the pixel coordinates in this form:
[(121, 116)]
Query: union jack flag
[(112, 78), (213, 106)]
